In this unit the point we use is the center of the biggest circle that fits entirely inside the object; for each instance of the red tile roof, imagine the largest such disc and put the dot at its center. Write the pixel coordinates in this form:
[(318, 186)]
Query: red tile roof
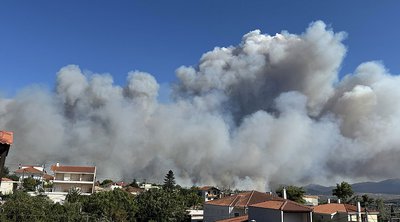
[(235, 219), (75, 169), (335, 207), (6, 179), (6, 137), (48, 177), (243, 199), (28, 170), (283, 205)]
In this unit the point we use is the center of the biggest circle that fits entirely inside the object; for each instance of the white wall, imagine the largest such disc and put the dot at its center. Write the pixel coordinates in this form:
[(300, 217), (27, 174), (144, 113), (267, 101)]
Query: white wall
[(6, 187)]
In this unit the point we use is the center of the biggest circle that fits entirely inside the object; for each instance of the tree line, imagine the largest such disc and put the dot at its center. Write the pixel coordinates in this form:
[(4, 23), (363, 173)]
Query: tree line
[(169, 203)]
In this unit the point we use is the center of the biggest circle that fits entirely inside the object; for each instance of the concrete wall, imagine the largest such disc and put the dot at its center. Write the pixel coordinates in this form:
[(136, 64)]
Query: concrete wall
[(261, 214), (323, 218), (214, 212), (237, 212), (296, 217)]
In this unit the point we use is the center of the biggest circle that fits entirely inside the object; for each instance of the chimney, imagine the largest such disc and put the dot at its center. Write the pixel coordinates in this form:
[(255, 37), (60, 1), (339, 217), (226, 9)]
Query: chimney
[(284, 193), (57, 164), (329, 200), (358, 212), (338, 201)]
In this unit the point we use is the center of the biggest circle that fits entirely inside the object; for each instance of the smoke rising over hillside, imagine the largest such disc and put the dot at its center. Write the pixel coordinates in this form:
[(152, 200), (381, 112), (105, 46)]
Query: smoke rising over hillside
[(269, 110)]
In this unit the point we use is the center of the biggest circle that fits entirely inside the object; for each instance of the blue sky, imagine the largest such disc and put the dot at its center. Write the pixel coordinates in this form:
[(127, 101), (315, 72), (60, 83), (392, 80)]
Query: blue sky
[(37, 38)]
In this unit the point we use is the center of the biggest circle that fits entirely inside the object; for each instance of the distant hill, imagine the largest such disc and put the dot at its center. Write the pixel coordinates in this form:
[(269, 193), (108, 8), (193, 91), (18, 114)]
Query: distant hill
[(391, 186)]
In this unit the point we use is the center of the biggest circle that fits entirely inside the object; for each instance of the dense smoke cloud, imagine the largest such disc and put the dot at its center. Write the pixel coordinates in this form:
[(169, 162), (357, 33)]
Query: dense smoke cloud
[(270, 110)]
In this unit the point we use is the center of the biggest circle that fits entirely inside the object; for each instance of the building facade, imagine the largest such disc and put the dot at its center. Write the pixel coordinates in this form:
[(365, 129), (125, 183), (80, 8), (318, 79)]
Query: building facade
[(74, 177)]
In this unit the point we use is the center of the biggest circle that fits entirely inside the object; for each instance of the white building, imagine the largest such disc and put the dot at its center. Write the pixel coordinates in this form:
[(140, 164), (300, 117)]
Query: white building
[(210, 193), (7, 186), (68, 177), (342, 213)]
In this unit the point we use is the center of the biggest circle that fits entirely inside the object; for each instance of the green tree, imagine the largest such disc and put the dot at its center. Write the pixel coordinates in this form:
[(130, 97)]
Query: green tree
[(105, 182), (169, 181), (5, 172), (161, 205), (22, 207), (384, 213), (343, 191), (73, 195), (30, 184), (293, 193), (116, 205)]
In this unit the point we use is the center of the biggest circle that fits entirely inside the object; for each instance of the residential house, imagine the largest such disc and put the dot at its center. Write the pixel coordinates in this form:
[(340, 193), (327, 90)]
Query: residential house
[(148, 186), (68, 177), (234, 206), (209, 193), (34, 172), (342, 213), (117, 185), (7, 186), (134, 190), (280, 210)]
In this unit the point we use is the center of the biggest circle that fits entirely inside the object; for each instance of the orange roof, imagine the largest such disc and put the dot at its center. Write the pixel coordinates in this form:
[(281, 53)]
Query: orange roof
[(75, 169), (335, 207), (6, 137), (283, 205), (235, 219), (243, 199), (28, 170), (6, 179), (48, 177)]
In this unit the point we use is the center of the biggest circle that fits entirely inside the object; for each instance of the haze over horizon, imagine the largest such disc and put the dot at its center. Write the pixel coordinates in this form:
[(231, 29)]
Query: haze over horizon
[(255, 111)]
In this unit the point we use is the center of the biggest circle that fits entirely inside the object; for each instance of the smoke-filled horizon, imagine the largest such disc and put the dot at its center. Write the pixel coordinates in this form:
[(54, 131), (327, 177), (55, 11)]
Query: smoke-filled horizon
[(270, 110)]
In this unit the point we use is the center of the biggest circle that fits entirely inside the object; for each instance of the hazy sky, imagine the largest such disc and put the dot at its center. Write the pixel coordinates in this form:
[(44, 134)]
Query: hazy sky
[(37, 38)]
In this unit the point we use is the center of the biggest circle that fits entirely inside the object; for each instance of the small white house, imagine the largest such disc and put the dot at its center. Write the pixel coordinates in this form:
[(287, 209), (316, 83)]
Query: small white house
[(342, 213), (209, 193), (7, 186)]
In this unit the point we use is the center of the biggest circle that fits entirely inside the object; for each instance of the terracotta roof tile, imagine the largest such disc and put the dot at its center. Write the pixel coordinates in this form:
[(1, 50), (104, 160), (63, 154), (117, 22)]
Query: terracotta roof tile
[(48, 177), (284, 205), (75, 169), (235, 219), (28, 170), (6, 179), (335, 207), (6, 137), (243, 199)]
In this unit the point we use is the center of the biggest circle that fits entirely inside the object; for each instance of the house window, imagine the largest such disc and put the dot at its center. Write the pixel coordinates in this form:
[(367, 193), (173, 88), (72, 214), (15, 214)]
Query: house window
[(236, 214)]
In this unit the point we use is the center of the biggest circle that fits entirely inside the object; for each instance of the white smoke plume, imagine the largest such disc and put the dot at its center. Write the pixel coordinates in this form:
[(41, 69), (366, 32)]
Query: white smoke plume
[(270, 110)]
